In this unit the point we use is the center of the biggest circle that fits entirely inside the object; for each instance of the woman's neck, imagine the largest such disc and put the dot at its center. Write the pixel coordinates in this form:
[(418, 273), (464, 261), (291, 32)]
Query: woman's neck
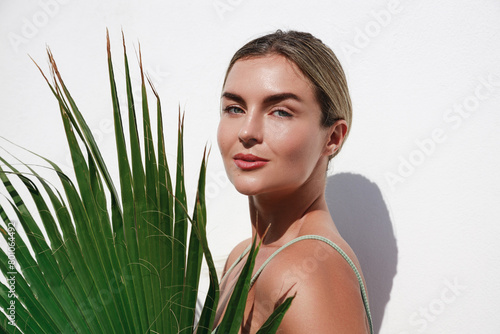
[(282, 214)]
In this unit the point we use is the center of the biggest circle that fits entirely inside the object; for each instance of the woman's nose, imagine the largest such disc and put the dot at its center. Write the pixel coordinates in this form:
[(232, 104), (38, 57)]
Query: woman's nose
[(251, 130)]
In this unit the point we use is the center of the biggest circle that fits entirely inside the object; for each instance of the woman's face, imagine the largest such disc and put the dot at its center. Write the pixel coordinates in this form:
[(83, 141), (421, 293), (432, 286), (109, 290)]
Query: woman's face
[(269, 133)]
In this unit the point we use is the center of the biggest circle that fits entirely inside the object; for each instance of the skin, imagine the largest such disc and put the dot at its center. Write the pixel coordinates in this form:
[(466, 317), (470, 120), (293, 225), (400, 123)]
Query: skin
[(269, 109)]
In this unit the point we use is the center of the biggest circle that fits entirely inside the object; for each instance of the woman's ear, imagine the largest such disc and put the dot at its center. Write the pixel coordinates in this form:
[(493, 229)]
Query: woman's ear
[(336, 135)]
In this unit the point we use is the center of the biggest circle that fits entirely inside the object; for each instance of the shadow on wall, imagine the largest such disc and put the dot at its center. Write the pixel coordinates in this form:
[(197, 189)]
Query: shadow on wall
[(362, 218)]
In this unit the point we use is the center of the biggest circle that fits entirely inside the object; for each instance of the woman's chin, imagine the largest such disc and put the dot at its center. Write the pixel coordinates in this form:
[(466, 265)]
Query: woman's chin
[(247, 189)]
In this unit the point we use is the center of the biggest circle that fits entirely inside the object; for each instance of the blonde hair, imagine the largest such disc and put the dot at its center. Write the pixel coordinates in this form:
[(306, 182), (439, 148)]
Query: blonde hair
[(316, 61)]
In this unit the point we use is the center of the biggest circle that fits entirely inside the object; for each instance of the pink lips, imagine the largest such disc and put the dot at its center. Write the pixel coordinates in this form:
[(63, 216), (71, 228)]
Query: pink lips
[(249, 161)]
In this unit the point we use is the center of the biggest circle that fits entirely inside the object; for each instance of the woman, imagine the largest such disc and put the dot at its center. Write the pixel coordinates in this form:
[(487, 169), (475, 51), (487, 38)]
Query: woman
[(286, 112)]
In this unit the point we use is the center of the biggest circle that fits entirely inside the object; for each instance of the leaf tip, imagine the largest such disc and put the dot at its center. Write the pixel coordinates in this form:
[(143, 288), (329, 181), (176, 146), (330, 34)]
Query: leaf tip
[(108, 44)]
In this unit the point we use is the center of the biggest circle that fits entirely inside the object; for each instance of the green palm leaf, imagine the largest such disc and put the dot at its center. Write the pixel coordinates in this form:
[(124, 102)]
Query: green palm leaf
[(112, 262)]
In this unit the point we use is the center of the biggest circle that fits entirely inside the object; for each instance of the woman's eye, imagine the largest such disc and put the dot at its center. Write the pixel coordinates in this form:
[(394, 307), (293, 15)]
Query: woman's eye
[(233, 110), (282, 113)]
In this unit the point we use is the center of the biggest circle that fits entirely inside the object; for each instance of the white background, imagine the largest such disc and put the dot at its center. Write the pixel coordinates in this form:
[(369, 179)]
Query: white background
[(415, 189)]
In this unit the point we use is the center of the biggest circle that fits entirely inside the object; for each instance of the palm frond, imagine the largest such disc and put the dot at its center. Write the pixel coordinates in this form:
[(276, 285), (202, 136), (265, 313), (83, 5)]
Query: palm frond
[(112, 262)]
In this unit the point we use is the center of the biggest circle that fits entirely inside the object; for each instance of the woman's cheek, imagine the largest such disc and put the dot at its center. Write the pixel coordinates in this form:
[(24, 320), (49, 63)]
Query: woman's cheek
[(222, 138)]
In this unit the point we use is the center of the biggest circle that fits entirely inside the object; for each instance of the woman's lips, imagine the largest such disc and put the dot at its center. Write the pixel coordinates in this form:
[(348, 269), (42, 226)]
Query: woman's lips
[(249, 161)]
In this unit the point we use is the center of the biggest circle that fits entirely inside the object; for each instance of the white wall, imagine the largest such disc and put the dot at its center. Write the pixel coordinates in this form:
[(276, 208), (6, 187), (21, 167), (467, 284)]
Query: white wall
[(416, 188)]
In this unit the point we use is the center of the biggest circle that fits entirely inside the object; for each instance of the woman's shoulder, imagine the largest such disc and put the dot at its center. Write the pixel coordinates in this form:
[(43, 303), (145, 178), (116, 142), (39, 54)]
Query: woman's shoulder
[(324, 237), (235, 253), (319, 276), (317, 256), (326, 290)]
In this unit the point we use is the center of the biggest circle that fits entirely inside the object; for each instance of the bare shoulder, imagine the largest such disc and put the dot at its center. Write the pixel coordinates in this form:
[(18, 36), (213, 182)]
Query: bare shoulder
[(236, 252), (326, 288), (312, 263)]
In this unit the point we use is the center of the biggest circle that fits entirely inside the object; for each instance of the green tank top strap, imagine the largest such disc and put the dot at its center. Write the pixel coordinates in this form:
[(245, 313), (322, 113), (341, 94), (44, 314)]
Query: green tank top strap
[(235, 263), (364, 295)]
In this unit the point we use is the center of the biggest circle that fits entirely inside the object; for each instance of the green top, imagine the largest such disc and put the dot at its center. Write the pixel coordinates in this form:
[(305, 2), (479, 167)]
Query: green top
[(305, 237)]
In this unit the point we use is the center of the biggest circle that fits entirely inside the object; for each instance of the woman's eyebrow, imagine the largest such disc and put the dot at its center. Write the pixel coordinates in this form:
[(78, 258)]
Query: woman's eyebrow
[(269, 99), (234, 97), (281, 97)]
